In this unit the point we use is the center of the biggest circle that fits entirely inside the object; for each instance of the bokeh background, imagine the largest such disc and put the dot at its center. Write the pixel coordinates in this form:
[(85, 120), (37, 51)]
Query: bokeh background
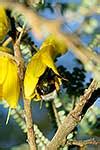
[(86, 27)]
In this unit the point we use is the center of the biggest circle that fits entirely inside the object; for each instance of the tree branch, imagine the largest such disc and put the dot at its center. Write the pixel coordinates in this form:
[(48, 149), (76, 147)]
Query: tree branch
[(27, 109), (72, 119), (29, 124), (56, 114), (83, 143)]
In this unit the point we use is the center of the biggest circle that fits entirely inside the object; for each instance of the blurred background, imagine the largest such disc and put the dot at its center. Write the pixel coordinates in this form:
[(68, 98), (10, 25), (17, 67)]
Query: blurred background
[(81, 18)]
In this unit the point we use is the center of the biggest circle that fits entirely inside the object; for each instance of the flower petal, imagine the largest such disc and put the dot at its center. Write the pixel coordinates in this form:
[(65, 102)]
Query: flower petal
[(11, 87), (3, 69), (34, 70), (4, 23)]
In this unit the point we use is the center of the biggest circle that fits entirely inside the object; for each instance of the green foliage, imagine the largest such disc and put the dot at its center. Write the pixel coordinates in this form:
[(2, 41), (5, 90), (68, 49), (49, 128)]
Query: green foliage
[(91, 122), (75, 84)]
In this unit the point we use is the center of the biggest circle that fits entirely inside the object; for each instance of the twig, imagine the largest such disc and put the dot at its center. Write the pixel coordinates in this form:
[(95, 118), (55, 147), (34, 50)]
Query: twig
[(56, 114), (72, 119), (7, 42), (27, 109), (30, 130), (82, 143), (18, 55)]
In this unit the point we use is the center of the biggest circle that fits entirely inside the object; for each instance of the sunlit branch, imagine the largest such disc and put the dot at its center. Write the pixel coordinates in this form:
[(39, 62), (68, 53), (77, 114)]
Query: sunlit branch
[(72, 119)]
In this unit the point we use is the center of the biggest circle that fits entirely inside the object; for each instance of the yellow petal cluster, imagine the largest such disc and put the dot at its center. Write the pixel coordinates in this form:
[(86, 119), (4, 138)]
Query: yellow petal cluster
[(44, 58), (9, 81), (4, 23)]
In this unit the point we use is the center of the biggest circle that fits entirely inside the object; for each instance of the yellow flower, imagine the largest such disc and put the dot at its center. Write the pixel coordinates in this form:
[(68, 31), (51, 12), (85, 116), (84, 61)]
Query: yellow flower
[(4, 23), (44, 58), (9, 81)]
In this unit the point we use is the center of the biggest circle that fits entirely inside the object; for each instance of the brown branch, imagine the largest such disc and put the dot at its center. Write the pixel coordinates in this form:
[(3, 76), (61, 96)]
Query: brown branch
[(56, 114), (18, 55), (82, 143), (29, 124), (72, 119), (27, 109)]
